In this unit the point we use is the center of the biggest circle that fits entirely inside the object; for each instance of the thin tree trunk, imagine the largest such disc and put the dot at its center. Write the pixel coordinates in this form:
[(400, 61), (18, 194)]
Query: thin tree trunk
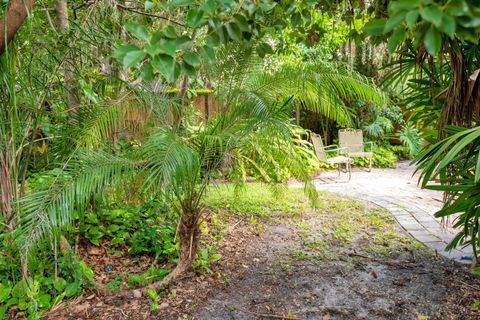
[(61, 11), (17, 11), (63, 25), (189, 237)]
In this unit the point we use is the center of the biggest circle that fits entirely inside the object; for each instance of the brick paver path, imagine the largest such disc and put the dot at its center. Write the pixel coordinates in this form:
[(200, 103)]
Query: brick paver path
[(396, 190)]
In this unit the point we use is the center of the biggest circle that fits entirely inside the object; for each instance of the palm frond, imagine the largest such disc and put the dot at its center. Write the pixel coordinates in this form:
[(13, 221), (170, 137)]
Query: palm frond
[(46, 211)]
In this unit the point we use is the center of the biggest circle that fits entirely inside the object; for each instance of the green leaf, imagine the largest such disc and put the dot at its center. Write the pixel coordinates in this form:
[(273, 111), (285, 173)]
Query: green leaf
[(432, 14), (209, 7), (59, 284), (137, 30), (433, 40), (181, 3), (86, 270), (395, 39), (152, 294), (168, 47), (167, 67), (222, 34), (260, 51), (402, 5), (477, 172), (192, 59), (163, 64), (44, 300), (183, 43), (393, 22), (213, 40), (476, 271), (375, 27), (170, 32), (147, 73), (4, 292), (72, 289), (195, 19), (234, 32), (448, 25), (241, 22), (89, 93), (132, 58), (208, 54), (189, 70), (411, 18), (121, 51)]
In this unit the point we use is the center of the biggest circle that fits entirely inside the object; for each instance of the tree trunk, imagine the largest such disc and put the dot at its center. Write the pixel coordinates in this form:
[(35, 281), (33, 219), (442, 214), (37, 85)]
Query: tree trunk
[(17, 11), (189, 236), (61, 11), (63, 25)]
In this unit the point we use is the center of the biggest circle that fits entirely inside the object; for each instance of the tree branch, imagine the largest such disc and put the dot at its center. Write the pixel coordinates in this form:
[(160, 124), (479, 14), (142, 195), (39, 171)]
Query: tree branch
[(135, 10)]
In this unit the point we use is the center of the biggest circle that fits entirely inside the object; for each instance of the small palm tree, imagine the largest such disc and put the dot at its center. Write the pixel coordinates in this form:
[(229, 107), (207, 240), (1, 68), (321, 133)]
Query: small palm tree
[(253, 129), (178, 163)]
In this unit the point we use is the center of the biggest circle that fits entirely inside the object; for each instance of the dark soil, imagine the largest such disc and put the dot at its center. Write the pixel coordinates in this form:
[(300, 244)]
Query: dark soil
[(299, 268), (352, 288)]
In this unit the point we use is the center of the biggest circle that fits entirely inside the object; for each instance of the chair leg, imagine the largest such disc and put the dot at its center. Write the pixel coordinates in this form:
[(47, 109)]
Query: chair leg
[(349, 169), (371, 163)]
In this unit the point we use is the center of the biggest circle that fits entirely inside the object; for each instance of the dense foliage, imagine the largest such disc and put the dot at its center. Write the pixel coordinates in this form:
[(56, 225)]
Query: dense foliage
[(116, 117)]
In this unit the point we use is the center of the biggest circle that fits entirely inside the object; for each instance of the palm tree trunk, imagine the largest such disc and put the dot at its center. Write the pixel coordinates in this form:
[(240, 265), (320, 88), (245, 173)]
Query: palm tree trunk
[(189, 237)]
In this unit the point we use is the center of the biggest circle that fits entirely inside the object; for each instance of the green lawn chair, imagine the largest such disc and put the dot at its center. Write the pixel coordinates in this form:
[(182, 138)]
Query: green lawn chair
[(352, 140), (339, 159)]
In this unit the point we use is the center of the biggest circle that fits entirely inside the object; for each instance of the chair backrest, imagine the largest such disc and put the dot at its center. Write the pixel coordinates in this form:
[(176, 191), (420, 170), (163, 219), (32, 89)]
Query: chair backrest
[(352, 139), (318, 147)]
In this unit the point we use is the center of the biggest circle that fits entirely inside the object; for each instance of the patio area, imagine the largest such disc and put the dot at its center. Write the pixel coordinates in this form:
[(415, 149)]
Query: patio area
[(397, 191)]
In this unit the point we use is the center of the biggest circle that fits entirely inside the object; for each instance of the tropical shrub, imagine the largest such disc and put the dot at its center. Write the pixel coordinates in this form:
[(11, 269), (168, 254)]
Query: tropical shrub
[(455, 163)]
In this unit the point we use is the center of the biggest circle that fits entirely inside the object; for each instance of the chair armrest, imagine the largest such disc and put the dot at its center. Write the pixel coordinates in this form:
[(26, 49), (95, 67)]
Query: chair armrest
[(331, 146), (342, 150)]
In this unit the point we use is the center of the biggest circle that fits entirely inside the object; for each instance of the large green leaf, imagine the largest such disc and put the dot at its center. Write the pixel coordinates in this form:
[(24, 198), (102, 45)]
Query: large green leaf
[(432, 14), (195, 18), (375, 27), (394, 21), (165, 65), (448, 25), (132, 58), (411, 18), (433, 40), (192, 59), (137, 30), (234, 31)]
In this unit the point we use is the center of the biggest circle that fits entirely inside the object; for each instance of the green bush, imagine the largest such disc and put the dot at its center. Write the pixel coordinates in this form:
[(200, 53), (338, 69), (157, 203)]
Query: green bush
[(383, 157), (143, 230), (48, 283)]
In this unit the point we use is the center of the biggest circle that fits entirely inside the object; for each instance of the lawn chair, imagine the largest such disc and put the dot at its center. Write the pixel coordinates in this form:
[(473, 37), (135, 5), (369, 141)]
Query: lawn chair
[(352, 140), (321, 153)]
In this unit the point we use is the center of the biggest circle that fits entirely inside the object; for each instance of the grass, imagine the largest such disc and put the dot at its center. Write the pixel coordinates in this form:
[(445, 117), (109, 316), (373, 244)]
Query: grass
[(336, 226), (258, 199)]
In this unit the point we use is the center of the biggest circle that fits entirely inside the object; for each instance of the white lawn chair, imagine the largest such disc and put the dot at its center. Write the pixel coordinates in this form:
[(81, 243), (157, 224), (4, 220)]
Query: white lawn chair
[(352, 140), (321, 153)]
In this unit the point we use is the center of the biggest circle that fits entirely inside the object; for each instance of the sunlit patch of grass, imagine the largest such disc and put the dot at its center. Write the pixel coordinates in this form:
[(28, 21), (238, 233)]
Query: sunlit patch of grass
[(258, 199)]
